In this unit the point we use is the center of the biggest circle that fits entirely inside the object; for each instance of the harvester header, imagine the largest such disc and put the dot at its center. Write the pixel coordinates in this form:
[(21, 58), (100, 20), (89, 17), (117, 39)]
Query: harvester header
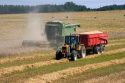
[(55, 33)]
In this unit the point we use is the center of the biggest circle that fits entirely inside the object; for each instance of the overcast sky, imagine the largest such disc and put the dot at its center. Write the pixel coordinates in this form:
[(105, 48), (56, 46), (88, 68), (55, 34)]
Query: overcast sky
[(88, 3)]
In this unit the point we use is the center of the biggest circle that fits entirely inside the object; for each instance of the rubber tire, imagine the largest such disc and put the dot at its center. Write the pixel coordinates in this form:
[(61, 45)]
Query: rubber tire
[(83, 52), (102, 48), (73, 55), (59, 55), (96, 49)]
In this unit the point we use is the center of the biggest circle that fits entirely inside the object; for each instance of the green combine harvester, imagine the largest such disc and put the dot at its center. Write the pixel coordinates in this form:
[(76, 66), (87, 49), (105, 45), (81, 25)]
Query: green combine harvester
[(57, 30)]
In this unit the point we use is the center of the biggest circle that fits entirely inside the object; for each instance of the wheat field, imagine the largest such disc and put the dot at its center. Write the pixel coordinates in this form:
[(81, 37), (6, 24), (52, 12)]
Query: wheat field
[(20, 64)]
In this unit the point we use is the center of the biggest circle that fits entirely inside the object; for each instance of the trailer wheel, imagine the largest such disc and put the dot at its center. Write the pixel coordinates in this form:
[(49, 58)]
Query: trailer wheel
[(83, 52), (102, 48), (59, 55), (97, 49), (73, 55)]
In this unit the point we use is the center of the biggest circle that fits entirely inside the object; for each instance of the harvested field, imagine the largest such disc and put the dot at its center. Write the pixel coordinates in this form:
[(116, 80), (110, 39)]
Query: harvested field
[(13, 27), (114, 73), (56, 67), (112, 78), (38, 65), (71, 71), (23, 67), (44, 63)]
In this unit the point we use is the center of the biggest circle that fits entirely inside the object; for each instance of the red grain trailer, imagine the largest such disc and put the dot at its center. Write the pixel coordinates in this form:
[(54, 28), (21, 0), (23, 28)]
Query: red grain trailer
[(94, 42), (93, 39)]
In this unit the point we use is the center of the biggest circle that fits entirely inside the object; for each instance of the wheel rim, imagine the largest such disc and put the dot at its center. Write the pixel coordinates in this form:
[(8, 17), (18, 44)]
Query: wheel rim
[(83, 55), (75, 57)]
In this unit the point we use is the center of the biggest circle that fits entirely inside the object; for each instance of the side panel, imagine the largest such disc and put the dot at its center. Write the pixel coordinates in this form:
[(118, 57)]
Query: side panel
[(93, 39), (83, 40), (104, 38)]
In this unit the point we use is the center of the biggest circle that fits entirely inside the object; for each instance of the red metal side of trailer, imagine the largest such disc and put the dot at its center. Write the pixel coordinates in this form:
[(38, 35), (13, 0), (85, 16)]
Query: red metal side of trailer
[(93, 39)]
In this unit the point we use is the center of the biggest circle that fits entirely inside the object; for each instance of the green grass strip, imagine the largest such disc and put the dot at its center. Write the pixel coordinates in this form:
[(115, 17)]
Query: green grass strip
[(93, 73), (30, 72)]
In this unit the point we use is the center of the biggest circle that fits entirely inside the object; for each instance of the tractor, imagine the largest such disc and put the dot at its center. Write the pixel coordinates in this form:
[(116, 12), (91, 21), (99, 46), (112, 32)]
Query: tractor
[(72, 49)]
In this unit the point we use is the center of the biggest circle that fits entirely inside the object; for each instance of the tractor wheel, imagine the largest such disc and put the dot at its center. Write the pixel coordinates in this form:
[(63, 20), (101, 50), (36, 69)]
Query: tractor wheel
[(73, 55), (59, 55), (83, 52)]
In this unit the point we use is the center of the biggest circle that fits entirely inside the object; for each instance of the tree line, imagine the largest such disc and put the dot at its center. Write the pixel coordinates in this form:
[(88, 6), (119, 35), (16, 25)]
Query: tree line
[(67, 7)]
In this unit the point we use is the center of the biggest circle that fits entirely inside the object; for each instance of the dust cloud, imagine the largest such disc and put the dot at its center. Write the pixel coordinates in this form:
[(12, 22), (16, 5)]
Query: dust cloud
[(11, 40), (35, 30)]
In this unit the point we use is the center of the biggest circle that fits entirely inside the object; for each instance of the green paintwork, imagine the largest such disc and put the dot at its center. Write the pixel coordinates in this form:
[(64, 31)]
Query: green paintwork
[(57, 30)]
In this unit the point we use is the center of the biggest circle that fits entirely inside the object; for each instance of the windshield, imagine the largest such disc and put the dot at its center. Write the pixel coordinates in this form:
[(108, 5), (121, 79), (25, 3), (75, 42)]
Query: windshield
[(71, 39)]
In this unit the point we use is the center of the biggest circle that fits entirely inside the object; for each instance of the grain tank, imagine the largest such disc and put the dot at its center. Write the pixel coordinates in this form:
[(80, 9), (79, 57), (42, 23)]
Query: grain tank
[(57, 30)]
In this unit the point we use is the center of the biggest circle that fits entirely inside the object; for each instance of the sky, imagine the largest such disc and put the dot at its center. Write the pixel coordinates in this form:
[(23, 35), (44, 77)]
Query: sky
[(88, 3)]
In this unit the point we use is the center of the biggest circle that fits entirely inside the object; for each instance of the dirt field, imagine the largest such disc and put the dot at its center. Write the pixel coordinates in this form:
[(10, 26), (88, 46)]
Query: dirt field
[(35, 64)]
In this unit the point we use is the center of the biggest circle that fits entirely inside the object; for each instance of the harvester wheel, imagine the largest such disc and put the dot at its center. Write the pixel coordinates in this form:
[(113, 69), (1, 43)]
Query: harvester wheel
[(73, 55), (59, 55)]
